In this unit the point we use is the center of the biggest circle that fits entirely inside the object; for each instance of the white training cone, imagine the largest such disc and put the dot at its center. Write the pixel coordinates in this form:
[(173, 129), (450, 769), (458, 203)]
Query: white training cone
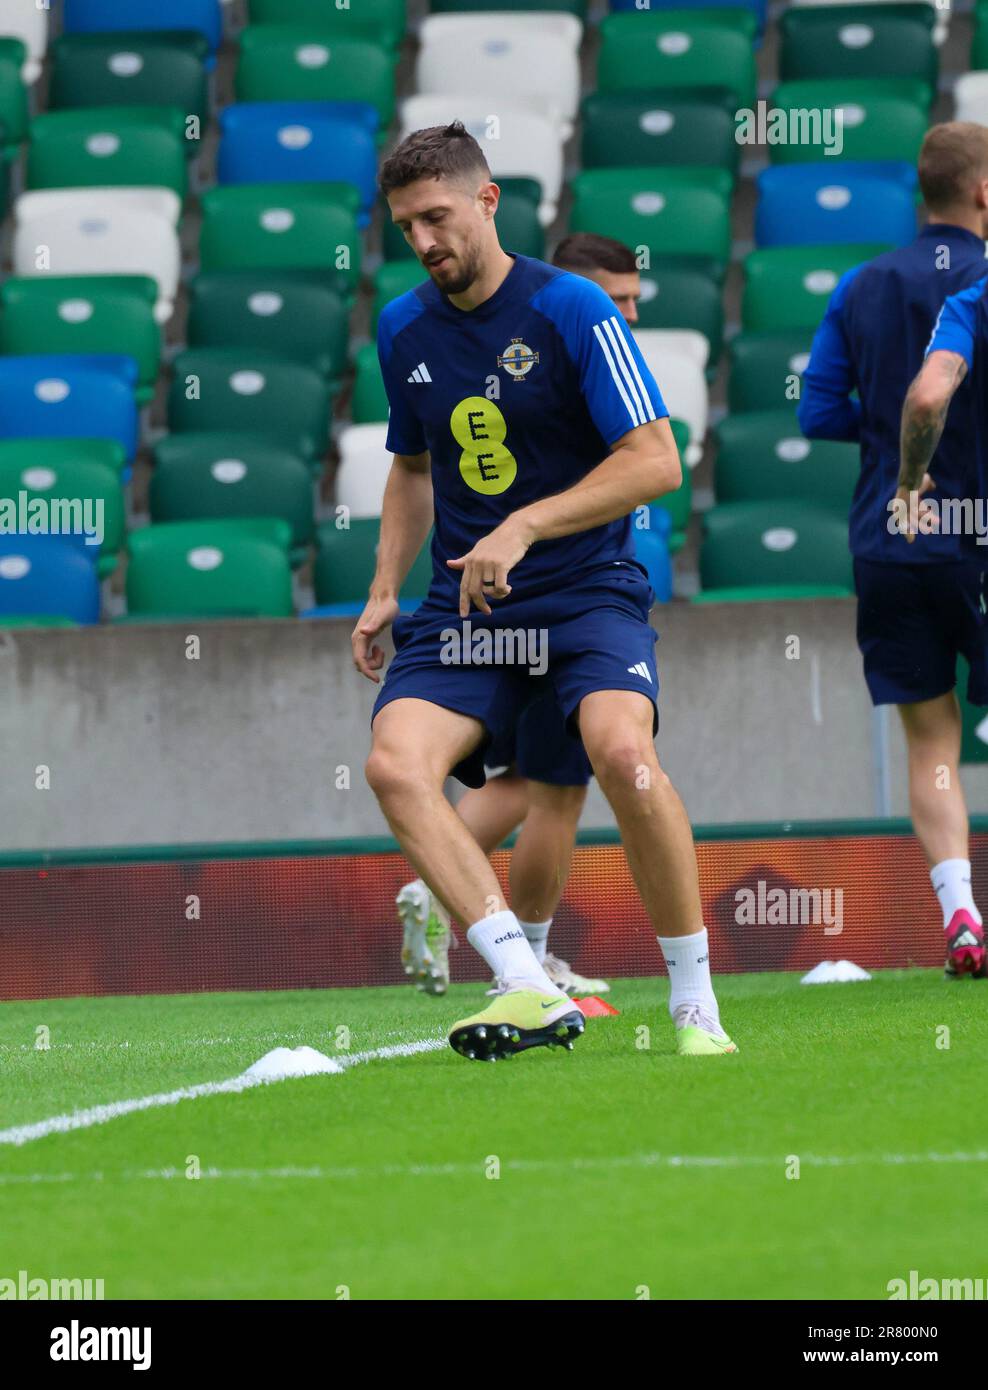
[(835, 972), (283, 1061)]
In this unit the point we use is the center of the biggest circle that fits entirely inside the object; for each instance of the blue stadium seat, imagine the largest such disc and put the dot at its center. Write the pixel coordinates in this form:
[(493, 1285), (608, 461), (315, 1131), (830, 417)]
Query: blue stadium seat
[(301, 142), (45, 576), (79, 397), (827, 205), (103, 16), (652, 551)]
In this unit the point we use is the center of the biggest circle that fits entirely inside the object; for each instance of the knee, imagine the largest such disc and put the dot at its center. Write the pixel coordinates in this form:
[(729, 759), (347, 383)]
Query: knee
[(626, 764), (387, 773)]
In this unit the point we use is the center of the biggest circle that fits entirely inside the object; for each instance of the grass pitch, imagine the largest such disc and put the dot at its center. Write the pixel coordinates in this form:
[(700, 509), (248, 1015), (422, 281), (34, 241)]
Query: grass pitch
[(624, 1171)]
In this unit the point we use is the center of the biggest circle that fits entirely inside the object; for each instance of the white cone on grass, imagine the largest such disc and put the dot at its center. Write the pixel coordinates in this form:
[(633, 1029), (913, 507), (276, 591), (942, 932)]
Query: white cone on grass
[(285, 1061), (835, 972)]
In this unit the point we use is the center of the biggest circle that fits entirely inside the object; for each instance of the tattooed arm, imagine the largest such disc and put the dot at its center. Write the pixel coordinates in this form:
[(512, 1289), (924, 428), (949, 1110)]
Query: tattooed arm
[(924, 414)]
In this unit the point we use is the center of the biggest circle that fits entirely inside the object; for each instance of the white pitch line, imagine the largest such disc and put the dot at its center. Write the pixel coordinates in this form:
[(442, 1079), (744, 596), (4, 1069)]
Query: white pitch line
[(113, 1110), (509, 1166)]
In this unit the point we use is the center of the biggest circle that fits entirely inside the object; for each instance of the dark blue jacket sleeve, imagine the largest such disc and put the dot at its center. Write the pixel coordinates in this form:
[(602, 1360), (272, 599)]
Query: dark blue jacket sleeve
[(826, 410)]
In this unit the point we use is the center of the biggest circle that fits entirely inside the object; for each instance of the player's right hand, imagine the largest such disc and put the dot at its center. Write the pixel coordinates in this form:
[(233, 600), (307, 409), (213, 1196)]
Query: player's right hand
[(378, 614)]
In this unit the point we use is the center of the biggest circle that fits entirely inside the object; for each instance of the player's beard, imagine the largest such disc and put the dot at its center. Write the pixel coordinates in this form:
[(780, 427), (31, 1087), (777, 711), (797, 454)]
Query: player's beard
[(458, 281)]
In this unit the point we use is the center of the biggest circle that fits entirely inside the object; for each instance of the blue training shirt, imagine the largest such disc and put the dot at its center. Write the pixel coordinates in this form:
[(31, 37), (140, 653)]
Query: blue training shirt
[(872, 340), (515, 400)]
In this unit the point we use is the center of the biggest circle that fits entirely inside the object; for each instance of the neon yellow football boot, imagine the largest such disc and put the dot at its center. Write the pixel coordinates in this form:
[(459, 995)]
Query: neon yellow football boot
[(698, 1035), (517, 1019)]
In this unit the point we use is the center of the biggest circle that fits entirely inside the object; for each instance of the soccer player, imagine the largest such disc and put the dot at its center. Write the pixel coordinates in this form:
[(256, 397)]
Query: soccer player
[(518, 385), (539, 779), (919, 595)]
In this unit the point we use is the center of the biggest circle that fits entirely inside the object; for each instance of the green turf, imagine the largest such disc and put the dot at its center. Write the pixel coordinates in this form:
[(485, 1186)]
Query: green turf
[(590, 1202)]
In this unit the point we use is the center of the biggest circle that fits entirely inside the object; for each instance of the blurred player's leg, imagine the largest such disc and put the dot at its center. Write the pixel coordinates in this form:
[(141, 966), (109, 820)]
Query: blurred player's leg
[(939, 815), (616, 727), (493, 811)]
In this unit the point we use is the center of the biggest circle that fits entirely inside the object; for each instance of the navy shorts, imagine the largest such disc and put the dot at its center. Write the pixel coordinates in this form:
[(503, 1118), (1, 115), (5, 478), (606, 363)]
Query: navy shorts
[(542, 748), (592, 635), (913, 621)]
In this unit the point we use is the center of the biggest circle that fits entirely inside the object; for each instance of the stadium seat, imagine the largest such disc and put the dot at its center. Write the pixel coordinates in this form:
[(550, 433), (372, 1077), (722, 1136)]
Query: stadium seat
[(94, 235), (363, 471), (676, 297), (767, 368), (90, 203), (523, 144), (103, 16), (369, 402), (68, 397), (13, 95), (46, 576), (250, 391), (881, 119), (703, 48), (671, 211), (304, 320), (61, 454), (790, 286), (759, 8), (225, 475), (526, 63), (651, 546), (678, 505), (302, 62), (867, 41), (27, 22), (84, 314), (381, 21), (131, 69), (97, 145), (90, 493), (971, 97), (761, 455), (392, 279), (683, 386), (344, 566), (282, 226), (215, 568), (519, 227), (507, 7), (298, 142), (773, 542), (674, 342), (818, 205), (645, 128)]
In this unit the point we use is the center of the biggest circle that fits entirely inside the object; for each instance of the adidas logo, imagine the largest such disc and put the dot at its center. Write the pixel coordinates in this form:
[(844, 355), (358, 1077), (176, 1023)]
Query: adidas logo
[(640, 669), (966, 938), (420, 374)]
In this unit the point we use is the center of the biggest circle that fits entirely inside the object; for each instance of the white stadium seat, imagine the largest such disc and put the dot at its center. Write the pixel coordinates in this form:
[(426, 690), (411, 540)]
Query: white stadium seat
[(684, 342), (683, 386), (160, 202), (364, 467), (525, 65), (102, 239), (28, 21), (971, 98), (521, 144)]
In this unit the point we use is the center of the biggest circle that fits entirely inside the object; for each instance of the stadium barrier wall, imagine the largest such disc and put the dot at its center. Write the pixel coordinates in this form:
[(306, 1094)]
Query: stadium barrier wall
[(185, 919), (262, 733)]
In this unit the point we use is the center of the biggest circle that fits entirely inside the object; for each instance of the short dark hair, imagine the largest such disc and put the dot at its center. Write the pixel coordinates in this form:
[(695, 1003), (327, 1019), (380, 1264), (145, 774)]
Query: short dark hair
[(582, 251), (437, 152), (954, 155)]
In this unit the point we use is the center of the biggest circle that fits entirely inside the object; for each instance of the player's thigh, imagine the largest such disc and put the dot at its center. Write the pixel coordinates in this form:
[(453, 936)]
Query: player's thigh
[(935, 722), (617, 728), (424, 738)]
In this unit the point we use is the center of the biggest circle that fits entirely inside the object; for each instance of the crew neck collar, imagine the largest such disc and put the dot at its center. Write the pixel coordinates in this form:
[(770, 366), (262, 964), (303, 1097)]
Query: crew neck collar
[(493, 302)]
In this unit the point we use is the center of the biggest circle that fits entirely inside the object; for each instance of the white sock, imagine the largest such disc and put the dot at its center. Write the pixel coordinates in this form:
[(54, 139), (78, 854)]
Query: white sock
[(536, 934), (951, 880), (503, 945), (688, 961)]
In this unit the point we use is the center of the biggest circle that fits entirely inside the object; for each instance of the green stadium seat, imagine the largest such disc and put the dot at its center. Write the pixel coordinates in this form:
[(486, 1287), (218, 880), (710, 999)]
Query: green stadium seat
[(227, 475), (369, 402), (646, 128), (302, 62), (138, 68), (679, 48), (790, 286), (282, 226), (877, 125), (58, 454), (14, 108), (573, 7), (41, 620), (671, 211), (251, 392), (762, 455), (84, 313), (102, 146), (767, 369), (773, 542), (679, 504), (677, 296), (346, 558), (864, 41), (87, 481), (518, 225), (289, 317), (772, 593), (979, 43), (380, 21), (392, 279), (210, 569)]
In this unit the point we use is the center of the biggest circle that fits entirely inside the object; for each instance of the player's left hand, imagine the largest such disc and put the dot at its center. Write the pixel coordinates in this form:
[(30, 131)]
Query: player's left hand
[(485, 567)]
